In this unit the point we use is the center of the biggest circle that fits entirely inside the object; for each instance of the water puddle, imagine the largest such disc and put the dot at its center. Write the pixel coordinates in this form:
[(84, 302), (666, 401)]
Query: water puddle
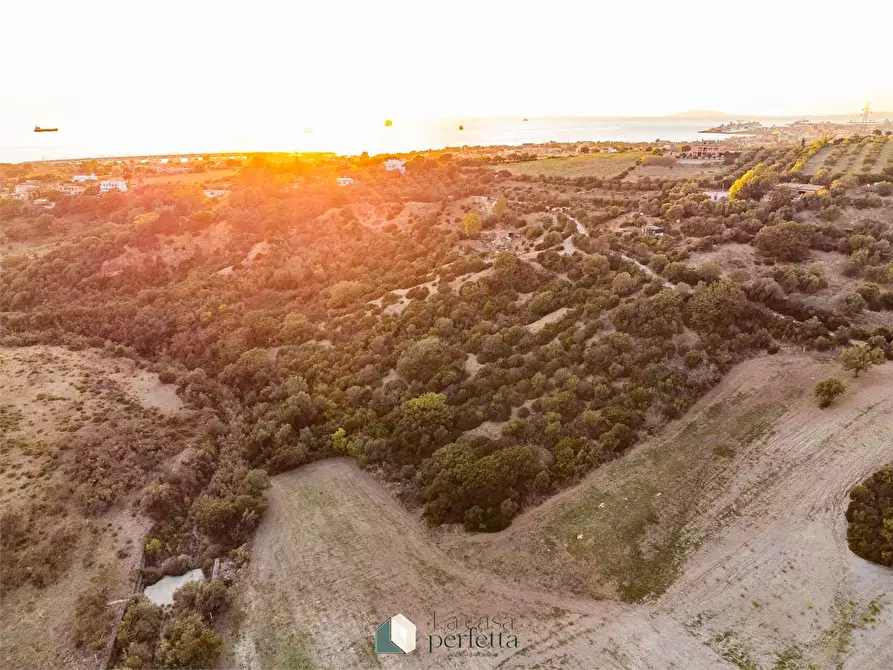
[(162, 591)]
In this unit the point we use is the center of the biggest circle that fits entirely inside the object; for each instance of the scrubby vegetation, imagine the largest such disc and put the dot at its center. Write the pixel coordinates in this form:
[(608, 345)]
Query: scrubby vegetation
[(828, 390), (479, 357), (870, 517)]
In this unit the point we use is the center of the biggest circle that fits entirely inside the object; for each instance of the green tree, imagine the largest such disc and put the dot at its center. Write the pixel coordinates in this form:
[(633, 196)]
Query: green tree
[(786, 241), (860, 358), (829, 389), (753, 184), (870, 518), (500, 205), (718, 306), (471, 224)]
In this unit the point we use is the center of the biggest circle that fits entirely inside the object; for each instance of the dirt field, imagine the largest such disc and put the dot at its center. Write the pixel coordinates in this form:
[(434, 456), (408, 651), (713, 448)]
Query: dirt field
[(584, 165), (46, 395), (817, 162), (336, 555), (677, 171), (725, 534), (730, 522), (188, 177)]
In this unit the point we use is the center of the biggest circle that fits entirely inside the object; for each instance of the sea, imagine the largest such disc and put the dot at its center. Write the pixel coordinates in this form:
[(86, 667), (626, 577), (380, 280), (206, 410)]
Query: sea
[(374, 137)]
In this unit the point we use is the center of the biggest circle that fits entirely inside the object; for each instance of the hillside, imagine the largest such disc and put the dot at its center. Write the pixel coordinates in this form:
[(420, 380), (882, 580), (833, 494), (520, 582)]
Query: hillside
[(477, 335), (66, 527), (771, 480)]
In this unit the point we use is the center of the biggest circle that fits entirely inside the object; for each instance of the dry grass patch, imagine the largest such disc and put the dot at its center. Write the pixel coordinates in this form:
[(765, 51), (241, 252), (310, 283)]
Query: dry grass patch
[(604, 166)]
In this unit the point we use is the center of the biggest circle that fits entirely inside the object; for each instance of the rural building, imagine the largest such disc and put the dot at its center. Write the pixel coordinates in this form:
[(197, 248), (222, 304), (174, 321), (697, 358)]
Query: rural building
[(84, 177), (708, 150), (25, 190), (107, 185), (69, 189), (345, 181), (216, 192), (801, 189), (393, 164), (652, 231)]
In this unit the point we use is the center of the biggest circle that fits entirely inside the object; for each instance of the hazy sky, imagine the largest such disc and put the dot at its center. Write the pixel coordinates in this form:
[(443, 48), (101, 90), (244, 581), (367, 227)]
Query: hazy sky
[(221, 67)]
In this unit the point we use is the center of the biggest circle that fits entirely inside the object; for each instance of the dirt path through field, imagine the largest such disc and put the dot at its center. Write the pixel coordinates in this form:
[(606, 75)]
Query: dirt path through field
[(731, 518), (336, 555)]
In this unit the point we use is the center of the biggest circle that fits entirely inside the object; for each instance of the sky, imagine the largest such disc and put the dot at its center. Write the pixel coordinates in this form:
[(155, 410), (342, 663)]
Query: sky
[(132, 71)]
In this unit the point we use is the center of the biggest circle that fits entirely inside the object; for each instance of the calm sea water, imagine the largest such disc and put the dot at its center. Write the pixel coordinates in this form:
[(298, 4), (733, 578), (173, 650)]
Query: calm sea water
[(376, 138)]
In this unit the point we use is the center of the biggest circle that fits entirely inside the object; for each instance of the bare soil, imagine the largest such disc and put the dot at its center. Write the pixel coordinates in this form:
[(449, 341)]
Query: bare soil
[(48, 394), (725, 535), (583, 165), (336, 555)]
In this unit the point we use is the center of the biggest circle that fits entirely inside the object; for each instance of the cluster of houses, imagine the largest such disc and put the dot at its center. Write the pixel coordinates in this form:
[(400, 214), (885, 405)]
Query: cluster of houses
[(31, 190)]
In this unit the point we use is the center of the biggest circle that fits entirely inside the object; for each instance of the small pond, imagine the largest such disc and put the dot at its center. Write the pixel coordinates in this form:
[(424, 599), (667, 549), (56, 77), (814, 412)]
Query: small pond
[(162, 591)]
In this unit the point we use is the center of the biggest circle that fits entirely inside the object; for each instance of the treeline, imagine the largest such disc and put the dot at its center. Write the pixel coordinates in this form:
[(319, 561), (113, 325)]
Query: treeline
[(870, 517)]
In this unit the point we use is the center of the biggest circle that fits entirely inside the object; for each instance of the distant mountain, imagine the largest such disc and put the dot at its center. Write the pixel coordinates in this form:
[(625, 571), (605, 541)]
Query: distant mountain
[(709, 114)]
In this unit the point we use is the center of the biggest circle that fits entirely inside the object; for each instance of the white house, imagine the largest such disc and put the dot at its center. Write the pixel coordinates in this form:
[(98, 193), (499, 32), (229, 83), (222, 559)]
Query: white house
[(69, 189), (216, 192), (25, 190), (345, 181), (107, 185), (84, 177), (393, 164)]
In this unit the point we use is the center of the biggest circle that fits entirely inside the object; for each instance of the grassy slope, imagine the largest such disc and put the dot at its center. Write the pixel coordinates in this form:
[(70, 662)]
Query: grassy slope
[(583, 165)]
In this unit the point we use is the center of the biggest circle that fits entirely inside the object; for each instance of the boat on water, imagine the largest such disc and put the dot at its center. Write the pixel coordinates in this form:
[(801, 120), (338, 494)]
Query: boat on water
[(38, 129)]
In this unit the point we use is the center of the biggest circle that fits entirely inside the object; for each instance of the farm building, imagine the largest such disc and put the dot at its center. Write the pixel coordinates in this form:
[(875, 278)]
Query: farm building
[(708, 150), (801, 189), (652, 231), (345, 181), (395, 164), (107, 185), (216, 192), (84, 177)]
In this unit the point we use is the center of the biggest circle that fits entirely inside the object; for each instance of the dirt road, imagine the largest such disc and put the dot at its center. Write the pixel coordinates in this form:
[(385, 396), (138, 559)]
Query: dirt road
[(732, 519), (336, 555)]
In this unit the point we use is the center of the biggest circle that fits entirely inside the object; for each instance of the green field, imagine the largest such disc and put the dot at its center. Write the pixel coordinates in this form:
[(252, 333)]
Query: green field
[(584, 165)]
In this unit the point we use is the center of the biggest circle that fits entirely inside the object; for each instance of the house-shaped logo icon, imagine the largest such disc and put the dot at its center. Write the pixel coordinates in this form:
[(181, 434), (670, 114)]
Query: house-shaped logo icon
[(395, 636)]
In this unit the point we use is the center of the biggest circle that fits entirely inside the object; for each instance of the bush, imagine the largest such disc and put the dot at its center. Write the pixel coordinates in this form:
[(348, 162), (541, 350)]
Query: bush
[(188, 643), (205, 598), (787, 241), (826, 391), (140, 626), (93, 618)]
